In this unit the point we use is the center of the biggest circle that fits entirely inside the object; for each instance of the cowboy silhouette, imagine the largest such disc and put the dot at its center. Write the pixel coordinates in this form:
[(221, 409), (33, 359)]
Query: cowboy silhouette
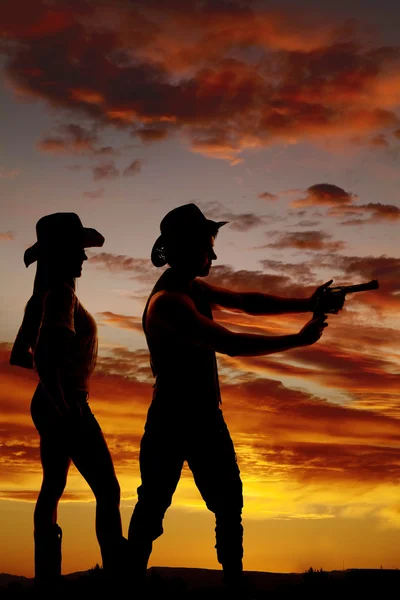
[(58, 338), (185, 421)]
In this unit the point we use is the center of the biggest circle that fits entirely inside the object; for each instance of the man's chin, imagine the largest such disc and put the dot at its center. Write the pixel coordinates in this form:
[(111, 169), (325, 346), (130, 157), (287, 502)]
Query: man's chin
[(205, 272)]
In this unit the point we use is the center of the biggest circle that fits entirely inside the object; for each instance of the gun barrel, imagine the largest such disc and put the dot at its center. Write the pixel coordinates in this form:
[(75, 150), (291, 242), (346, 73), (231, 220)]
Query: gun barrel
[(360, 287)]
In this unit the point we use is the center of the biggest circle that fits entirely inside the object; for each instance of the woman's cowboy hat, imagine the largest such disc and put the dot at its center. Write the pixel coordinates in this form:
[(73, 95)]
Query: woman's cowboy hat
[(184, 219), (60, 230)]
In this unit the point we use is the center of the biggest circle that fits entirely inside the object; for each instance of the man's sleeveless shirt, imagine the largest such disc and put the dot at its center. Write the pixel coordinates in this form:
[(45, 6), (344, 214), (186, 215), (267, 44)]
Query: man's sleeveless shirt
[(186, 374)]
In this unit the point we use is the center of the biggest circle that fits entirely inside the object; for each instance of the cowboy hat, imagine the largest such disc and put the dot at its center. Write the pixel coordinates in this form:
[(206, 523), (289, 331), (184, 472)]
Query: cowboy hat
[(187, 217), (59, 230)]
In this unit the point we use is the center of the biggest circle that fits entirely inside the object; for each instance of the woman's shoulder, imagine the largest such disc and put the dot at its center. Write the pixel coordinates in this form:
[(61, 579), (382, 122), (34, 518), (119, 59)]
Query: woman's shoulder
[(61, 289), (60, 293)]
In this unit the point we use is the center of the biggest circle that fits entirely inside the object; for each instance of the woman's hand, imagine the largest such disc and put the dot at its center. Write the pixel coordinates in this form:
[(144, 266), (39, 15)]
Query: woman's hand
[(21, 358)]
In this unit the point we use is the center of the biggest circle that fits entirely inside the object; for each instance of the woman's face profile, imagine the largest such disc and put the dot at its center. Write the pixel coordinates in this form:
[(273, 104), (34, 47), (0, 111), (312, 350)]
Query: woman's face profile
[(78, 257), (71, 261)]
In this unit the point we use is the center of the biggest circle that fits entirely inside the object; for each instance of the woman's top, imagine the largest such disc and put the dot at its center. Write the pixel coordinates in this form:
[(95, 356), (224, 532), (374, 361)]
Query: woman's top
[(62, 309)]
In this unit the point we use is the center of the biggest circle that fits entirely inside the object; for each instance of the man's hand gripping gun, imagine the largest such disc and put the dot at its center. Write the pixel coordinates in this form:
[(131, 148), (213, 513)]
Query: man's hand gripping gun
[(332, 299)]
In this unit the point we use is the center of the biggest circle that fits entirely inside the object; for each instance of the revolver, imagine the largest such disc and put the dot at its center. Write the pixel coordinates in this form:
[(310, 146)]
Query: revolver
[(328, 304)]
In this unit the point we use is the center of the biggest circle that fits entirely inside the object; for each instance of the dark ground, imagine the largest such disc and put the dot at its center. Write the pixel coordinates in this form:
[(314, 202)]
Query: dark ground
[(198, 584)]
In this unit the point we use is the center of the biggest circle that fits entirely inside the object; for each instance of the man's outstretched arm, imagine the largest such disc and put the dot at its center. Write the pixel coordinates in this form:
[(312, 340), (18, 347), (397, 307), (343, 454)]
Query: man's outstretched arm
[(257, 303)]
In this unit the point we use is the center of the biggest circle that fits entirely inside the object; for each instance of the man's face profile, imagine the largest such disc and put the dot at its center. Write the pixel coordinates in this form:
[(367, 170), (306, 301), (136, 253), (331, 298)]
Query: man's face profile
[(196, 255), (206, 256)]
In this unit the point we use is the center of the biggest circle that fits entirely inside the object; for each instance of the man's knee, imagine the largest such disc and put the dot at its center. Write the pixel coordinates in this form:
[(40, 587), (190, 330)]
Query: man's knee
[(148, 514), (228, 505), (227, 521), (154, 502), (108, 493), (146, 522)]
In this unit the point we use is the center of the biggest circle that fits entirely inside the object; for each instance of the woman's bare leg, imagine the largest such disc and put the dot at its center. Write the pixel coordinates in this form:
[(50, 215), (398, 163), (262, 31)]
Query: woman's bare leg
[(55, 465), (47, 534)]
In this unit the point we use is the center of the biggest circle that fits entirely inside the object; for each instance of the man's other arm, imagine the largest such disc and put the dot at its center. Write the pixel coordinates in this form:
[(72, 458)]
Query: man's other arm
[(175, 314)]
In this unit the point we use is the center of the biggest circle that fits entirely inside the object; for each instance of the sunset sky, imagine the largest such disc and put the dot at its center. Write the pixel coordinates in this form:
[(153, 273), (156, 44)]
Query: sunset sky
[(283, 118)]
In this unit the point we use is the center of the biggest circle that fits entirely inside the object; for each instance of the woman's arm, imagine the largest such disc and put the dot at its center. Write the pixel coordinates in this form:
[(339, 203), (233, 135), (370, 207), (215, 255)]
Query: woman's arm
[(22, 350), (49, 359), (21, 354), (53, 344)]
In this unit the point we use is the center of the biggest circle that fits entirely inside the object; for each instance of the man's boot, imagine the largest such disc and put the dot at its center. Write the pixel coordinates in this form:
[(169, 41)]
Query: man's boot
[(47, 558), (139, 554), (237, 585), (117, 565), (232, 572)]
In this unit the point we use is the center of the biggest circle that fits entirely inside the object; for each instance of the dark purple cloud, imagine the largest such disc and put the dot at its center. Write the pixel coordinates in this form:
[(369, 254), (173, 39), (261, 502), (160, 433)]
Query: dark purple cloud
[(114, 64)]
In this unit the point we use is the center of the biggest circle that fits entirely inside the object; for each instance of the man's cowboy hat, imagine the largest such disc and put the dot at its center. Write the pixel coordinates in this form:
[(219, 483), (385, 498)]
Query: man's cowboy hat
[(60, 230), (187, 219)]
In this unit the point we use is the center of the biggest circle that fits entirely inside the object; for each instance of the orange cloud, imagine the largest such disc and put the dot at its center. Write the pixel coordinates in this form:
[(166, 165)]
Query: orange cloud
[(105, 171), (267, 196), (379, 141), (141, 268), (6, 235), (39, 21), (147, 134), (307, 240), (95, 194), (75, 139), (122, 321), (301, 272), (237, 221), (88, 96), (325, 194), (134, 168), (341, 204), (113, 64), (379, 211), (243, 280), (9, 173)]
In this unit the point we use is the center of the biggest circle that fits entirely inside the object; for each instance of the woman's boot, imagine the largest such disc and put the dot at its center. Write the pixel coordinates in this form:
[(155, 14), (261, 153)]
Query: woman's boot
[(47, 558)]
